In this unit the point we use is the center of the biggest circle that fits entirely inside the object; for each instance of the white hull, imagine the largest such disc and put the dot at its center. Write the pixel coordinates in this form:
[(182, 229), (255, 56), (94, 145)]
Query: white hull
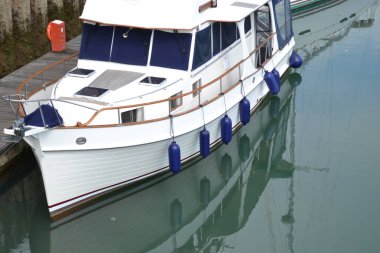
[(147, 211), (116, 156)]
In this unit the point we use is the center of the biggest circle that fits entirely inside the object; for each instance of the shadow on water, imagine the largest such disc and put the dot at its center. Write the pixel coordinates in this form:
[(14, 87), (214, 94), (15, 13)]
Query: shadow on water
[(206, 202)]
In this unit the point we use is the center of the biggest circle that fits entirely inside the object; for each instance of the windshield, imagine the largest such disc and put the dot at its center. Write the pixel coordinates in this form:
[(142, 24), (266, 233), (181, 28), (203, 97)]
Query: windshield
[(116, 44), (131, 46)]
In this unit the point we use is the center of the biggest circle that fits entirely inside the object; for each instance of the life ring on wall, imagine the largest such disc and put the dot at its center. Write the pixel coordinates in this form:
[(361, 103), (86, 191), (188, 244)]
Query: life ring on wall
[(48, 34)]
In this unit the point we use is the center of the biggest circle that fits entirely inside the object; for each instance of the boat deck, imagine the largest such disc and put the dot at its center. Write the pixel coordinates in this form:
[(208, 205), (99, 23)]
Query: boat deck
[(8, 85)]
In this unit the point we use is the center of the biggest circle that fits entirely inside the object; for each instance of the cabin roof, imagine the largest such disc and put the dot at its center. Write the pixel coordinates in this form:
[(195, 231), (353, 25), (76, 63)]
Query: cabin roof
[(166, 14)]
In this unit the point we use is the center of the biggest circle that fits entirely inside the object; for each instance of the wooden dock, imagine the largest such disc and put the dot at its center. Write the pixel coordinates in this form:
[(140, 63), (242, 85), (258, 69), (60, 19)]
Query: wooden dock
[(8, 85)]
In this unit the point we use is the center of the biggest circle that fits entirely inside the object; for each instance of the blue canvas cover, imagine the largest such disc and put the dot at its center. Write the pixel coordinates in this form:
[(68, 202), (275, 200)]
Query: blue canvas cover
[(132, 50), (96, 42), (283, 21), (171, 50), (51, 116)]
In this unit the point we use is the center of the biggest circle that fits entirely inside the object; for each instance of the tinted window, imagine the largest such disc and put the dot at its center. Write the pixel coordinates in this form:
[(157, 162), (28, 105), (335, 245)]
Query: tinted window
[(228, 34), (175, 103), (171, 50), (247, 24), (129, 116), (202, 48)]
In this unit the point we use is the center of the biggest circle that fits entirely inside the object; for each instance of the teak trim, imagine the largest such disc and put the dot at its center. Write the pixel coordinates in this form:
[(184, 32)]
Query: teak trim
[(215, 80)]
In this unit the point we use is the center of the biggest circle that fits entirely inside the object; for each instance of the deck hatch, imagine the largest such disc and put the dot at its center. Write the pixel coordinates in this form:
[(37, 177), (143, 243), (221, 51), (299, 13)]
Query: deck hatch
[(91, 92), (79, 72), (153, 80), (115, 79)]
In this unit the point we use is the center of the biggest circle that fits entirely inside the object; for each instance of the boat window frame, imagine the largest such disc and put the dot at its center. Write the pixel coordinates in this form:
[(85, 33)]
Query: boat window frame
[(196, 49), (196, 85), (139, 115), (222, 52), (173, 105), (267, 35)]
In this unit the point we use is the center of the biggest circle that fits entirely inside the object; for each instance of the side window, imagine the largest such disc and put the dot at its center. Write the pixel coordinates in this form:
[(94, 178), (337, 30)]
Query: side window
[(196, 85), (263, 32), (175, 103), (229, 34), (132, 116), (202, 48), (247, 24)]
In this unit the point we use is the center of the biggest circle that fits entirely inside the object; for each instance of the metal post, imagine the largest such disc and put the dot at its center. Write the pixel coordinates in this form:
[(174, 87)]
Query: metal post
[(13, 109), (199, 97), (56, 113), (42, 114), (118, 115), (260, 63)]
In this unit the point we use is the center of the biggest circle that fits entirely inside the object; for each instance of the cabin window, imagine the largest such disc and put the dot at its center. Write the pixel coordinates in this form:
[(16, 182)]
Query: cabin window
[(196, 85), (216, 38), (96, 42), (263, 32), (283, 22), (202, 47), (134, 115), (131, 46), (247, 24), (229, 34), (171, 49), (175, 103)]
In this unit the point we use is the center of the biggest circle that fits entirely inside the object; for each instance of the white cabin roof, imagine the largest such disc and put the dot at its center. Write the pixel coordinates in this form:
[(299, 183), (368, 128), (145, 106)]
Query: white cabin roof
[(165, 14)]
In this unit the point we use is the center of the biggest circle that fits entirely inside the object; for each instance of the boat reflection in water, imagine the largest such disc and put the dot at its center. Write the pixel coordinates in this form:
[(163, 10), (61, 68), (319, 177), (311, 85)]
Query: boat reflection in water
[(317, 29), (192, 211)]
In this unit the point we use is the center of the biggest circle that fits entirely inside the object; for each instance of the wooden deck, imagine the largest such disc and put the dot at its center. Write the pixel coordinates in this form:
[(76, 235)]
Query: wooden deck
[(9, 84)]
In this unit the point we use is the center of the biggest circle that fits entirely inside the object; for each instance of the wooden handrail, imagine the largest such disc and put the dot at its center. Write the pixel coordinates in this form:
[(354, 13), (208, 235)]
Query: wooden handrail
[(79, 124), (22, 85)]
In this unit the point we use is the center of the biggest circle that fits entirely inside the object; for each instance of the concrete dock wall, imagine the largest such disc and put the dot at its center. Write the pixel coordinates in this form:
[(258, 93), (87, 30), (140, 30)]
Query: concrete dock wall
[(21, 13), (23, 28)]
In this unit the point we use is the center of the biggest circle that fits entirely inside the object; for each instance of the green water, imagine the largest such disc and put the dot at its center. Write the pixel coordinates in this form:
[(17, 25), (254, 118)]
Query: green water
[(302, 176)]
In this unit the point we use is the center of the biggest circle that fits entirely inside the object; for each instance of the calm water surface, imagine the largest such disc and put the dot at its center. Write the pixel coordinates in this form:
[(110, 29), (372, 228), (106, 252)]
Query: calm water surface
[(303, 176)]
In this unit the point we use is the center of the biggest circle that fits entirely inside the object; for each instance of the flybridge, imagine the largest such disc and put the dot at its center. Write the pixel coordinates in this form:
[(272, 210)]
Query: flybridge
[(166, 14)]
